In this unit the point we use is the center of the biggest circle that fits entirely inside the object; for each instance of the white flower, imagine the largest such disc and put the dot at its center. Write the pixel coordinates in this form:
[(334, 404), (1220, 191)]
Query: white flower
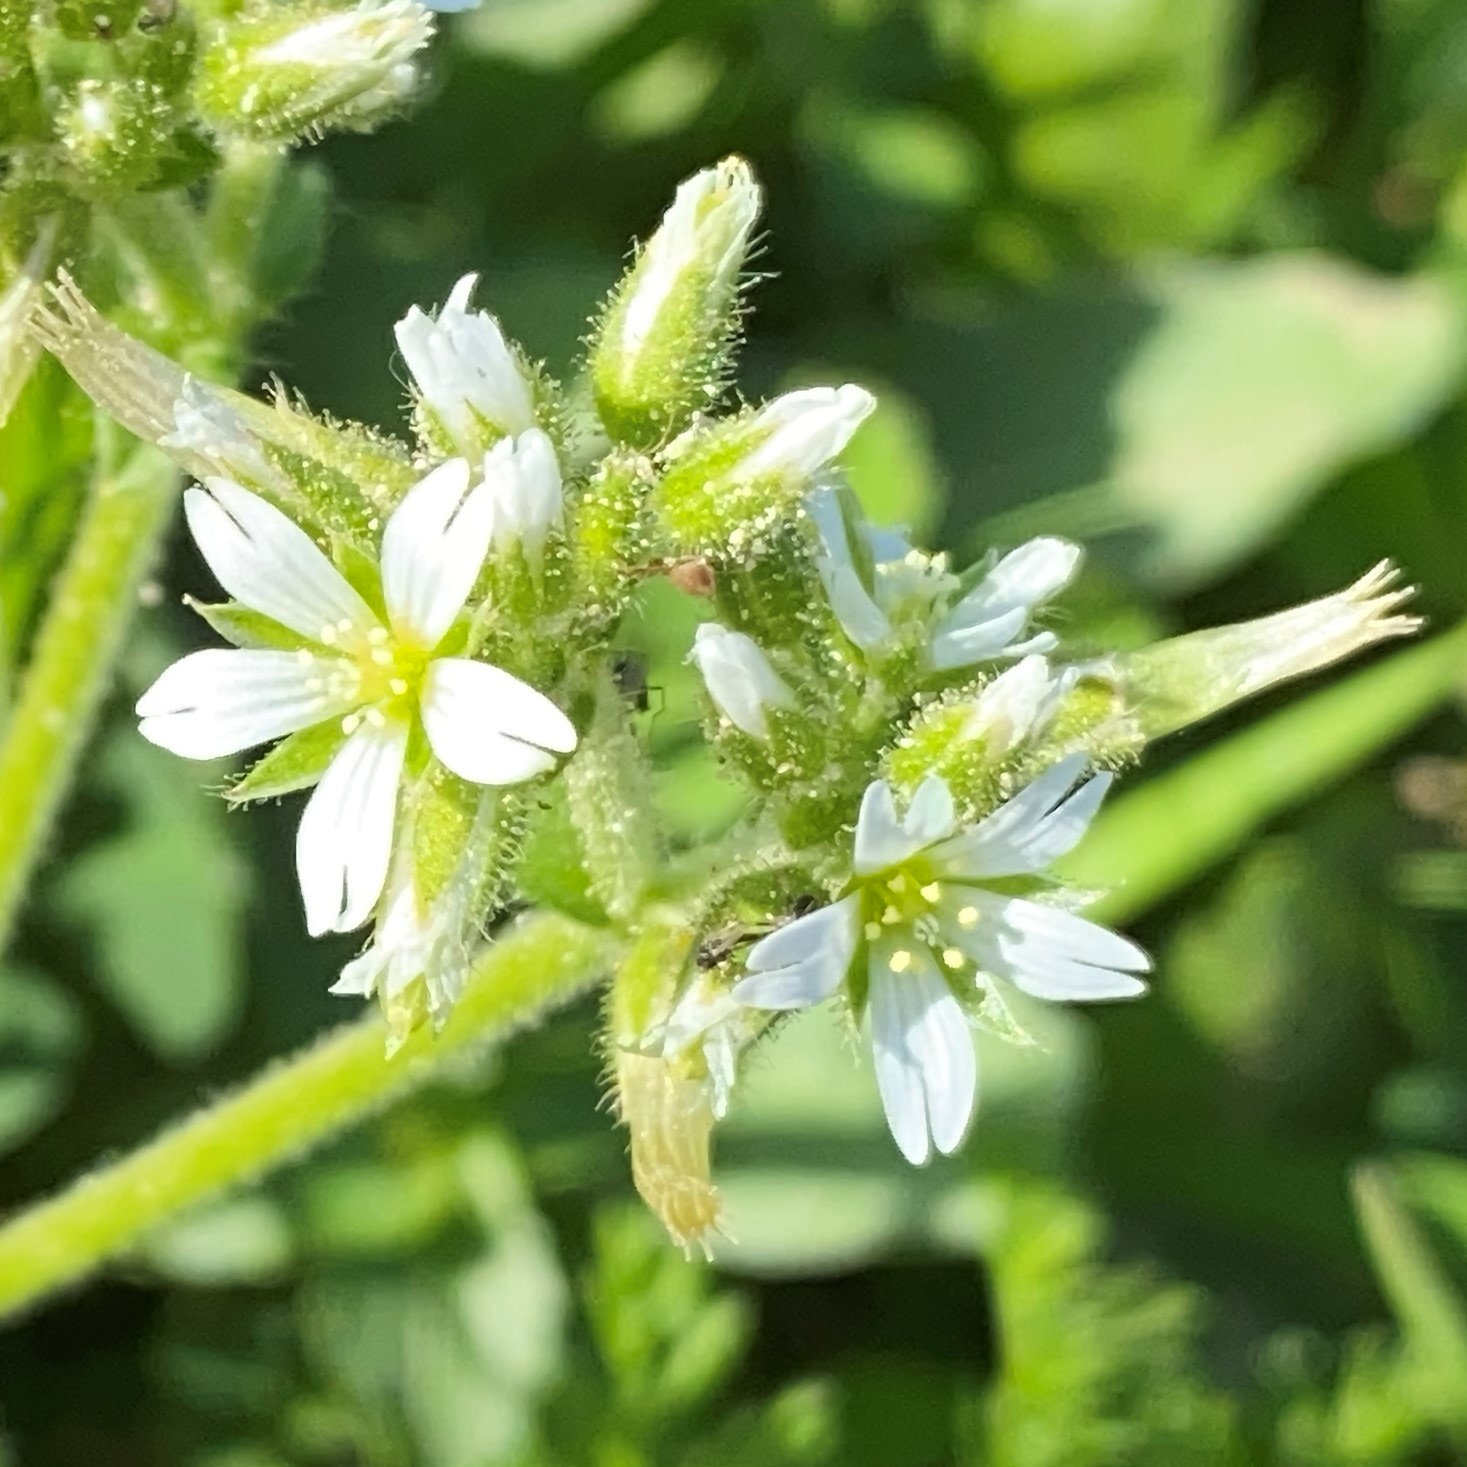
[(378, 678), (921, 926), (796, 435), (705, 229), (524, 483), (466, 373), (739, 678), (877, 582), (362, 57)]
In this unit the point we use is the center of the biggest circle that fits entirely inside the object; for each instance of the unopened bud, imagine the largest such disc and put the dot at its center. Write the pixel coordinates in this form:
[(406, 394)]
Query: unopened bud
[(273, 74), (113, 132), (661, 352), (472, 386), (524, 481), (736, 475), (1189, 678), (740, 679)]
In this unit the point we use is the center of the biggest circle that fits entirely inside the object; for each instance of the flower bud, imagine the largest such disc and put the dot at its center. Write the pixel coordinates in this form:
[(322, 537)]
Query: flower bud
[(739, 678), (472, 386), (1189, 678), (738, 474), (278, 73), (524, 483), (661, 352)]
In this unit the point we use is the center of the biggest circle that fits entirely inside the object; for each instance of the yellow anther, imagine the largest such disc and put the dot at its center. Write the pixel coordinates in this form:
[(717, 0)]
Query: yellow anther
[(952, 957), (898, 882), (900, 961), (891, 916), (873, 931), (304, 656), (377, 636), (351, 723), (376, 718), (398, 686), (328, 636), (932, 891), (382, 656), (344, 625), (968, 917)]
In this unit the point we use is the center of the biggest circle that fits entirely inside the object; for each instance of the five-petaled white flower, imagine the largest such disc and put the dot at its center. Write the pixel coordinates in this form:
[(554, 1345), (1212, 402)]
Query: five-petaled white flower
[(378, 676), (878, 582), (929, 916)]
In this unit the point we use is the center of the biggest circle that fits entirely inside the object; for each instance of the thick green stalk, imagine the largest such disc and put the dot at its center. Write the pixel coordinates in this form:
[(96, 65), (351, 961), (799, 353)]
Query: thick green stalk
[(71, 662), (541, 963)]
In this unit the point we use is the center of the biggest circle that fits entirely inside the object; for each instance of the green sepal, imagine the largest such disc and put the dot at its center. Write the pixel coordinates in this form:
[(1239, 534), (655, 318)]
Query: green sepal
[(361, 572), (296, 763), (552, 869), (242, 627), (443, 810), (993, 1015)]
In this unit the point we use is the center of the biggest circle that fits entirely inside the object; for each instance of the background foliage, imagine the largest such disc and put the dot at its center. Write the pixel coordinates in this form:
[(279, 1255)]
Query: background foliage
[(1183, 278)]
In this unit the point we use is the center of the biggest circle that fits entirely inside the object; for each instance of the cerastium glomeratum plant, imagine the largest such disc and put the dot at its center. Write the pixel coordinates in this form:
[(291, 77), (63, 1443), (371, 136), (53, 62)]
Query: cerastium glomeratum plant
[(423, 635)]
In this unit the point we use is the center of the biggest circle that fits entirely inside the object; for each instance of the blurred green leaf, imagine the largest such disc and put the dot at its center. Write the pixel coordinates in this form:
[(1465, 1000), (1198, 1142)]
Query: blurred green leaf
[(547, 33), (163, 901), (242, 1240), (40, 1032), (1262, 379)]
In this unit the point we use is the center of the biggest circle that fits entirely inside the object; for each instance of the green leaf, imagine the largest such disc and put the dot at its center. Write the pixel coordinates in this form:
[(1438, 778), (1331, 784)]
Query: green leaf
[(163, 900), (1260, 380), (295, 763), (39, 1035), (243, 1240)]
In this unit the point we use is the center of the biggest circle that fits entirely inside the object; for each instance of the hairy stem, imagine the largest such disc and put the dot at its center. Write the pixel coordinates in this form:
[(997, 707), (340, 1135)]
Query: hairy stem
[(540, 964), (71, 662)]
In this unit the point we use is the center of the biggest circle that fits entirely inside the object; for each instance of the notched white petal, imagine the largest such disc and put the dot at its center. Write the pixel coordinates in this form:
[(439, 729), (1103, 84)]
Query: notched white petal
[(489, 727), (344, 843), (269, 564), (221, 701), (804, 962), (432, 551)]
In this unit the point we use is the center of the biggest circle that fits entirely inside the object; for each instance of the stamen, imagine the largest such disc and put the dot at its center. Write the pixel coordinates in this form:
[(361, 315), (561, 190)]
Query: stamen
[(932, 891), (327, 636), (953, 958), (351, 723), (304, 656), (377, 636), (968, 917), (900, 961), (873, 931), (382, 656), (344, 625), (398, 686), (891, 916), (376, 718)]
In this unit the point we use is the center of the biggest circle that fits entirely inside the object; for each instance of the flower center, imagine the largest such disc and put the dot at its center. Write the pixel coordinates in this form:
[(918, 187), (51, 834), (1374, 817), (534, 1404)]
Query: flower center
[(901, 908), (375, 671)]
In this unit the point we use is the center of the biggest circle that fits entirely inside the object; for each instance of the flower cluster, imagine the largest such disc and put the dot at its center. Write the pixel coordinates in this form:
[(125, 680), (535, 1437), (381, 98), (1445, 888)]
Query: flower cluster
[(430, 630)]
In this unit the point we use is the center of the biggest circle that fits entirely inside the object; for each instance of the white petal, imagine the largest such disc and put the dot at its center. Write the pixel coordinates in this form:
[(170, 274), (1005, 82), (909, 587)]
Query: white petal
[(1044, 950), (931, 816), (883, 840), (957, 643), (489, 727), (739, 677), (1030, 831), (268, 563), (1025, 577), (432, 552), (344, 843), (926, 1067), (522, 477), (804, 962), (223, 700)]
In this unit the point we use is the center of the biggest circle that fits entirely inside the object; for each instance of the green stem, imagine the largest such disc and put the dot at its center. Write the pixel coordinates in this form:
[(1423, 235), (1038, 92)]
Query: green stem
[(72, 658), (542, 963)]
